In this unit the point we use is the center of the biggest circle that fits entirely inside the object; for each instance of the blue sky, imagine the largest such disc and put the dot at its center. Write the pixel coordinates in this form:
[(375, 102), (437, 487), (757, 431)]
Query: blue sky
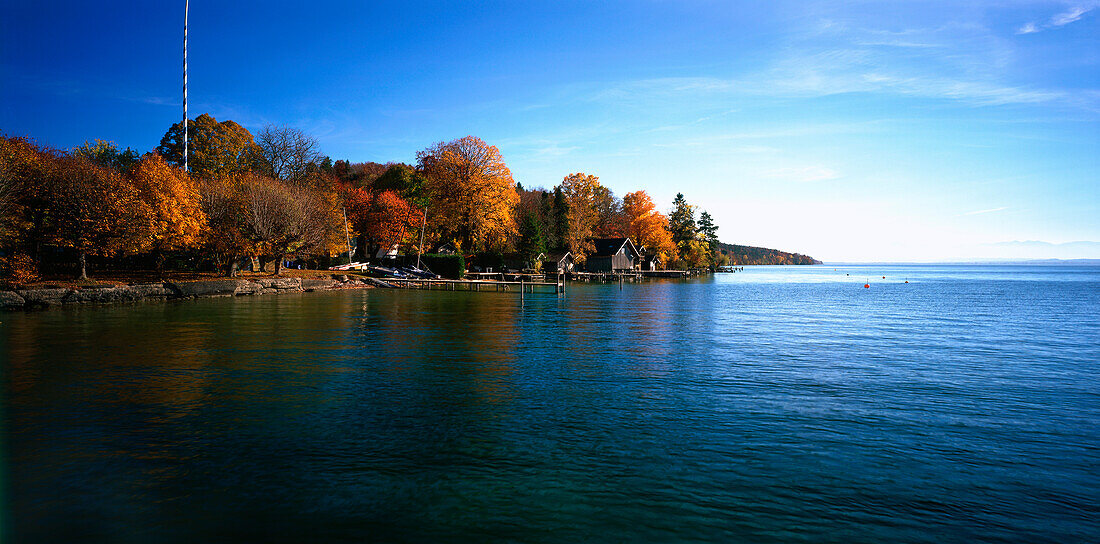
[(850, 131)]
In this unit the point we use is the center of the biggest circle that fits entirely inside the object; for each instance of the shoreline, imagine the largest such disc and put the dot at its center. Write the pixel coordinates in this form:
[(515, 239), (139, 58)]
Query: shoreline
[(39, 298)]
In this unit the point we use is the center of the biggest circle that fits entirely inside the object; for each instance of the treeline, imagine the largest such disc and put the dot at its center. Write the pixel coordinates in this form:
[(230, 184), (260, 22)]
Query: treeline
[(740, 255), (274, 197)]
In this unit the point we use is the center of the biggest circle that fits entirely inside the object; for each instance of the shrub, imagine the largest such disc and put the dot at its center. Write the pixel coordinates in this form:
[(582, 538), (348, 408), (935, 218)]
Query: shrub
[(19, 268)]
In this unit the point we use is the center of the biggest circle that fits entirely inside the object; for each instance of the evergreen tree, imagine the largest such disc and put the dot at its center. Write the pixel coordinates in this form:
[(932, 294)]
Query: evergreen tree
[(681, 222), (531, 240), (561, 218), (709, 230)]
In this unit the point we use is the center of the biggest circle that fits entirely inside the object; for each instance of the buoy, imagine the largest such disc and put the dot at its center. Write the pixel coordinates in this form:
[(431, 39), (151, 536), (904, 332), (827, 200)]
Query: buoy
[(884, 277), (866, 286), (906, 281)]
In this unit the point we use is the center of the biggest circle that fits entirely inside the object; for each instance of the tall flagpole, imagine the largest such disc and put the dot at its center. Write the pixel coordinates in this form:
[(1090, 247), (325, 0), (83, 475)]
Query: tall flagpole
[(186, 6)]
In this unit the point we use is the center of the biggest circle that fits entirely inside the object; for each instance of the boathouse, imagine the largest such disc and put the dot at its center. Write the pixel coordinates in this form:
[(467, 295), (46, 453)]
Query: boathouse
[(558, 263), (651, 263), (612, 255)]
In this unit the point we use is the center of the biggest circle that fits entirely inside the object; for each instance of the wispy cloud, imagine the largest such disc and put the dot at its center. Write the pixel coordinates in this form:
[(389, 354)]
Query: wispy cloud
[(990, 210), (1074, 13)]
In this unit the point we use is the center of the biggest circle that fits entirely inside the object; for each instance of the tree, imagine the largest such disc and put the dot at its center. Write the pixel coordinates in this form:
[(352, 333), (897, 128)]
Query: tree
[(681, 223), (386, 221), (285, 218), (405, 181), (287, 152), (472, 192), (648, 227), (96, 211), (579, 190), (227, 237), (610, 222), (531, 240), (175, 203), (213, 148), (709, 231), (106, 154), (560, 216)]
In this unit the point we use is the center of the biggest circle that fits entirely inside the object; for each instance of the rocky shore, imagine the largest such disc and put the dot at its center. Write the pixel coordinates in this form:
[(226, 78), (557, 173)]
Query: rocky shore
[(107, 294)]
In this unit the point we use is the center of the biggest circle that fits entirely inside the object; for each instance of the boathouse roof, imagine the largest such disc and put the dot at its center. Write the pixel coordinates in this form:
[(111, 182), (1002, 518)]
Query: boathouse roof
[(606, 247)]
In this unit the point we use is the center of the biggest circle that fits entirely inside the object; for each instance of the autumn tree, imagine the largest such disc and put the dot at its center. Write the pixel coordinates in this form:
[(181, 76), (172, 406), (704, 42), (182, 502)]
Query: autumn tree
[(287, 153), (610, 222), (284, 218), (472, 193), (227, 237), (387, 220), (403, 180), (579, 191), (175, 203), (96, 211), (647, 226), (213, 148)]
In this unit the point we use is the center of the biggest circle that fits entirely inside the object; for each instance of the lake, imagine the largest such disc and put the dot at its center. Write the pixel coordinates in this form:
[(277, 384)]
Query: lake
[(778, 404)]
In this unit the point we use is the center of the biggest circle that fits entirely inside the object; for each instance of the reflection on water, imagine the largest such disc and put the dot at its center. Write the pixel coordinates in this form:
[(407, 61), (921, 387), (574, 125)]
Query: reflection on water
[(771, 405)]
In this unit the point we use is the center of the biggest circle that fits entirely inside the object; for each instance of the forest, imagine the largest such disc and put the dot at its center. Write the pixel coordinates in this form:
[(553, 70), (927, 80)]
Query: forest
[(274, 197)]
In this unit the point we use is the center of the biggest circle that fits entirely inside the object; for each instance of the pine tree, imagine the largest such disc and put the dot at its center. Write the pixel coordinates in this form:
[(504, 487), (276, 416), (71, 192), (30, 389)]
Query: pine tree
[(531, 240), (710, 235)]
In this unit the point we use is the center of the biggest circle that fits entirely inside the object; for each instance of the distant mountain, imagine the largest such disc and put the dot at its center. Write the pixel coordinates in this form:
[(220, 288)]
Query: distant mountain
[(761, 255)]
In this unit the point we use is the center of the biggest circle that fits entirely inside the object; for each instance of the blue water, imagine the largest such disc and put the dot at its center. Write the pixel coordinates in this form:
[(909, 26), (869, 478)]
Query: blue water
[(777, 404)]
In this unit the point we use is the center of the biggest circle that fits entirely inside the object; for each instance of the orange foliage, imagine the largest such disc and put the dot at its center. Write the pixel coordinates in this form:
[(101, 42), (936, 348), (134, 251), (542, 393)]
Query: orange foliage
[(175, 203), (389, 218), (647, 226), (472, 192), (580, 192)]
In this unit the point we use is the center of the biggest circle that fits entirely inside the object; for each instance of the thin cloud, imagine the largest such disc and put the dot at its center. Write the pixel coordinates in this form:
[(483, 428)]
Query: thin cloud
[(1073, 14), (991, 210)]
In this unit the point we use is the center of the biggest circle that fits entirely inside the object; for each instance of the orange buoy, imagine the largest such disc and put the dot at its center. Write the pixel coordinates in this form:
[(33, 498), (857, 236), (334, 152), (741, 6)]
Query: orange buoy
[(866, 286), (884, 277), (906, 281)]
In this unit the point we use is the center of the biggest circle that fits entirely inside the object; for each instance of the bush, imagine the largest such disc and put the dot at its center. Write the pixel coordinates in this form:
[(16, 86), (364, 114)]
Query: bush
[(448, 266), (19, 268)]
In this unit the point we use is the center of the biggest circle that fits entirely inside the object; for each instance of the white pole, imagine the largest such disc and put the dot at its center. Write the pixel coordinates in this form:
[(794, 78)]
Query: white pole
[(186, 8), (347, 235), (420, 248)]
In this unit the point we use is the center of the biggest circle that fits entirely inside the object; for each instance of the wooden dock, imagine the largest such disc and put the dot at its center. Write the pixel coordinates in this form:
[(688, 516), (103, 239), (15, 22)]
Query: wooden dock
[(476, 285)]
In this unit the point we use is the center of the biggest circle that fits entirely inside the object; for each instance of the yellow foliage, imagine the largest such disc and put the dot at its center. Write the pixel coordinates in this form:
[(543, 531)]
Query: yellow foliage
[(472, 192), (175, 204)]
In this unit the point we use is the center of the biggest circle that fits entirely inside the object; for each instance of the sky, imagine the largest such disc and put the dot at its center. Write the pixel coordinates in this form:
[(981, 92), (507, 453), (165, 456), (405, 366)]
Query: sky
[(848, 131)]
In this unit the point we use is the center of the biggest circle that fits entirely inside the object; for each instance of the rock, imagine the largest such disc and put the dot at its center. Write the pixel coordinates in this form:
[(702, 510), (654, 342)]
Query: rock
[(11, 300), (287, 283), (100, 295), (208, 288), (249, 288), (43, 297), (153, 290), (313, 284), (342, 278)]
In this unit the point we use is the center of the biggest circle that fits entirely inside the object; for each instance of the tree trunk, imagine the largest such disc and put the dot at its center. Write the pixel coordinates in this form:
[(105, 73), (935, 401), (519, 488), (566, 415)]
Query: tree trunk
[(278, 265), (83, 266), (231, 270), (161, 258)]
